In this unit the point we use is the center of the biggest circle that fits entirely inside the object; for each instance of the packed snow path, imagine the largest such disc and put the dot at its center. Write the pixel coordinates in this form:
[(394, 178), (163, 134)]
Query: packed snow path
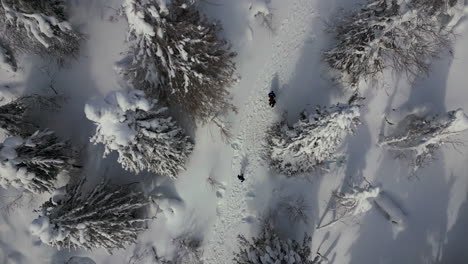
[(254, 118)]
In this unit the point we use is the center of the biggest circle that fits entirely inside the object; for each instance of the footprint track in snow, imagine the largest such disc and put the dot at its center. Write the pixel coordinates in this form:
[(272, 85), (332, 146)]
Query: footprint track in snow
[(256, 117)]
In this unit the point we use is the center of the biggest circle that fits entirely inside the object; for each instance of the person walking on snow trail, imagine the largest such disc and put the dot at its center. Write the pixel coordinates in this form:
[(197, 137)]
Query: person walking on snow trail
[(241, 177), (272, 99)]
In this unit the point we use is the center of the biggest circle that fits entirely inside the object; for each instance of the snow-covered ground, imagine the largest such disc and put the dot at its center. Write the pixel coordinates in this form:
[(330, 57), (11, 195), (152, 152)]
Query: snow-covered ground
[(287, 60)]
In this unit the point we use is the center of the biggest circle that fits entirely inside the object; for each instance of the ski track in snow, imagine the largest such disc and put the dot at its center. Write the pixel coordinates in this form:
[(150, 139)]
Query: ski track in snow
[(256, 117)]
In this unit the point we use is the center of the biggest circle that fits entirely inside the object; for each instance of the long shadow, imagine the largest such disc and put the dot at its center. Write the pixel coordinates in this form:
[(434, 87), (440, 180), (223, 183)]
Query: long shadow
[(426, 214), (430, 91), (356, 150), (426, 219), (77, 83), (454, 251)]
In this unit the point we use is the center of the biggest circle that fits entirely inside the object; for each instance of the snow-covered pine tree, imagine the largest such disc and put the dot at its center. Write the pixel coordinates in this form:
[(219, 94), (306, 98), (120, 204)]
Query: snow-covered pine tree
[(34, 163), (268, 247), (416, 138), (177, 57), (38, 26), (12, 117), (107, 217), (138, 129), (312, 141), (397, 34)]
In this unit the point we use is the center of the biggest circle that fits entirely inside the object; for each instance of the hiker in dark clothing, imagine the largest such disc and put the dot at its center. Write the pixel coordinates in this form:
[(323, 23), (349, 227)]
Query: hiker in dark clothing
[(241, 177), (271, 98)]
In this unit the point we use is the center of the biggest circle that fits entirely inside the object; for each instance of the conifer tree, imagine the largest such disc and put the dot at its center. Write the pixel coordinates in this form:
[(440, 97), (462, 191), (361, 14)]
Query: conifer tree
[(106, 217), (177, 57), (39, 27), (397, 34), (417, 137), (268, 247), (312, 141), (34, 162), (140, 131)]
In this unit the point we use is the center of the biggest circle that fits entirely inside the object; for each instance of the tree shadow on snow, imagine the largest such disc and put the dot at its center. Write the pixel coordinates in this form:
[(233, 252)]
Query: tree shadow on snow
[(425, 223), (425, 199), (453, 247)]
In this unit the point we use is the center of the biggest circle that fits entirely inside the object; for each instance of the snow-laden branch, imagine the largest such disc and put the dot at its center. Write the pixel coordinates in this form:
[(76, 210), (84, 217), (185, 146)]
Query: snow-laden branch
[(268, 247), (38, 27), (177, 56), (138, 129), (33, 163), (312, 141), (402, 35), (106, 217), (417, 137), (12, 117)]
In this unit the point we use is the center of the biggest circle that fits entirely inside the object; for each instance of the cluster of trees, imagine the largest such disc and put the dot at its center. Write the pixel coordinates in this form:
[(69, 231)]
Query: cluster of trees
[(33, 159), (384, 34), (30, 158), (400, 35), (176, 60)]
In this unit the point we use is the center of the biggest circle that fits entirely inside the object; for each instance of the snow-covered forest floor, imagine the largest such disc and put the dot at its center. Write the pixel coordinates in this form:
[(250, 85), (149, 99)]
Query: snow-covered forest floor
[(284, 56)]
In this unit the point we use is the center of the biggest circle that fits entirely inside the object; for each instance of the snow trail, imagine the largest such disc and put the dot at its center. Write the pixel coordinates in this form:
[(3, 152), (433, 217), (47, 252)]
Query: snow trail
[(254, 119)]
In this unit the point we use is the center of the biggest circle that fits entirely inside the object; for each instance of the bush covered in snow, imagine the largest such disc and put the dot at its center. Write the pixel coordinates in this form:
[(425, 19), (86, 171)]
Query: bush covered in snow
[(39, 27), (268, 248), (106, 217), (138, 129), (177, 57), (312, 141), (402, 35), (34, 162), (416, 138)]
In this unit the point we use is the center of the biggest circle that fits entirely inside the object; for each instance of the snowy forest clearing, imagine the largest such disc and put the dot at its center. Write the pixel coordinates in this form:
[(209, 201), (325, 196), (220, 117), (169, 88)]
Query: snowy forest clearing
[(420, 213)]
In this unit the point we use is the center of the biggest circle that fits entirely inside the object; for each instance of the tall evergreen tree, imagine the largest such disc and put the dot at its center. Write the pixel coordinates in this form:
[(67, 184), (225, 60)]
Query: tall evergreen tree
[(416, 137), (312, 141), (177, 57), (139, 130), (397, 34), (38, 26), (106, 217), (34, 162)]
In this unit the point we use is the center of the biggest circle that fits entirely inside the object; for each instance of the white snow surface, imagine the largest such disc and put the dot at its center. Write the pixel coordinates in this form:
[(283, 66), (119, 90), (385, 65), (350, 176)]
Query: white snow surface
[(288, 61)]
